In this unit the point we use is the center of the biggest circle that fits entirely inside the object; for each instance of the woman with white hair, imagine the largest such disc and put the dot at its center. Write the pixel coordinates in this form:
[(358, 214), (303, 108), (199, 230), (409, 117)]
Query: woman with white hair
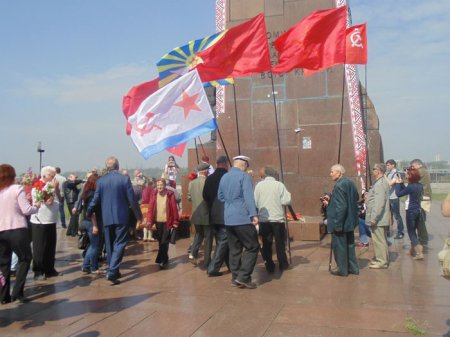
[(43, 224)]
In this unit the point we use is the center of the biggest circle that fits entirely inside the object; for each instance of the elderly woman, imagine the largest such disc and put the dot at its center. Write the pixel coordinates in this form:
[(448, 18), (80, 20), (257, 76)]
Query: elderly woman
[(415, 191), (14, 235), (43, 224), (161, 217)]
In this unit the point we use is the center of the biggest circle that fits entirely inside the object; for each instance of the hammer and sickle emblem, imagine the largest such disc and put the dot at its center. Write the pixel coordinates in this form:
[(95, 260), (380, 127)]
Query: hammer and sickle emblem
[(356, 39)]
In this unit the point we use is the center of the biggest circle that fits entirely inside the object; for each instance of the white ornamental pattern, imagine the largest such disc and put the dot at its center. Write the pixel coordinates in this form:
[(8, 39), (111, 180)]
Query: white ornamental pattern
[(220, 26), (354, 98)]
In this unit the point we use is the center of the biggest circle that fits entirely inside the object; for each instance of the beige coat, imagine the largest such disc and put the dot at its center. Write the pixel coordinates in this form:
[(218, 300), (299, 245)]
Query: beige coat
[(377, 203)]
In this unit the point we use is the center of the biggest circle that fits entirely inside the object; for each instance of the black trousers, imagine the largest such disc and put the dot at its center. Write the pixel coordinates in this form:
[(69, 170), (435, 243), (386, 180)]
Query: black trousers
[(44, 248), (72, 229), (17, 241), (269, 231), (344, 253), (243, 249), (162, 235)]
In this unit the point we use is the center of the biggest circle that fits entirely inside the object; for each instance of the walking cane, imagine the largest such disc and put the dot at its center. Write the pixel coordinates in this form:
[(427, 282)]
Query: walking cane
[(288, 238), (331, 252)]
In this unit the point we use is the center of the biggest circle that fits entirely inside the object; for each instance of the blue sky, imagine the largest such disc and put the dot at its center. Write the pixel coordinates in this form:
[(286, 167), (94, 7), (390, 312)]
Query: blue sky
[(66, 65)]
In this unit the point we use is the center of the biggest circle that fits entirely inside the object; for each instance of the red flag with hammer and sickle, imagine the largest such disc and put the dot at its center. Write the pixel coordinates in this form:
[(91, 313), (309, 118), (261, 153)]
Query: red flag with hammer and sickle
[(356, 45)]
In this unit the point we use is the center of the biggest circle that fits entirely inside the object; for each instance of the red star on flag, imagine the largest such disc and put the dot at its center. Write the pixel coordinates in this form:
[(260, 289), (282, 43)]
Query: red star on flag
[(188, 103)]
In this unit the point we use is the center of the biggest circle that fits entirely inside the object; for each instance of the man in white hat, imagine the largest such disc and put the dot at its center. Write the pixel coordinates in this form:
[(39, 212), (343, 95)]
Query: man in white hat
[(236, 191)]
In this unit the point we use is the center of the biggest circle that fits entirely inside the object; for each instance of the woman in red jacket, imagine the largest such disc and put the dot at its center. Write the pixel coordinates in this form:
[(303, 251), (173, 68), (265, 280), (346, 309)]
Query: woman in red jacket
[(161, 217)]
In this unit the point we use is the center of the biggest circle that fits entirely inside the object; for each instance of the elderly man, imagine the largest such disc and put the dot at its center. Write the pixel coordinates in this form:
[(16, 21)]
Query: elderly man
[(115, 193), (270, 197), (71, 192), (200, 216), (236, 191), (377, 216), (425, 180), (342, 218)]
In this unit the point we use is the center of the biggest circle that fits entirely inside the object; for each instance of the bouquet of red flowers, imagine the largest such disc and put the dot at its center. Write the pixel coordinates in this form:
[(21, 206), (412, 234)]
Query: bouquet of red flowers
[(43, 191), (184, 217)]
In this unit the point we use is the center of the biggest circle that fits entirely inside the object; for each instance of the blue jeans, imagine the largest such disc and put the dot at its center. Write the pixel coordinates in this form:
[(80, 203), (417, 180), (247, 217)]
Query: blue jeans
[(364, 231), (412, 220), (91, 258), (395, 209), (62, 215)]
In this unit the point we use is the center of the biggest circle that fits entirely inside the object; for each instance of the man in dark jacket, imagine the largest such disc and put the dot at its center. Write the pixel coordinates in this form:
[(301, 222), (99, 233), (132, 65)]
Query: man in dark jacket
[(342, 218), (216, 216), (71, 192)]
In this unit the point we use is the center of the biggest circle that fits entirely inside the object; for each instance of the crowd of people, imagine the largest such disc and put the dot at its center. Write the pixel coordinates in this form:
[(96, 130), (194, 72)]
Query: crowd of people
[(226, 207), (376, 212)]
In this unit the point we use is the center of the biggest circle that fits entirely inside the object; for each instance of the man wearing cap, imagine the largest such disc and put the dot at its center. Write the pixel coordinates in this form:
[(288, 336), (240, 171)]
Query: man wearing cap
[(236, 191), (216, 209), (270, 196), (200, 216)]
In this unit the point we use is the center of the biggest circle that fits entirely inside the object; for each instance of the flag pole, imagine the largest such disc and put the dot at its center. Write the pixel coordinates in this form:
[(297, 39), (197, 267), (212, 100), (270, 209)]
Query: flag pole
[(237, 120), (223, 144), (339, 156), (342, 116), (196, 151), (286, 223), (365, 123)]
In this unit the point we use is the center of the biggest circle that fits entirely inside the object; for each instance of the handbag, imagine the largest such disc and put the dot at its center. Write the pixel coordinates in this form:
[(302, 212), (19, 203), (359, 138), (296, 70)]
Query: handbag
[(144, 211), (444, 259), (83, 240), (173, 235)]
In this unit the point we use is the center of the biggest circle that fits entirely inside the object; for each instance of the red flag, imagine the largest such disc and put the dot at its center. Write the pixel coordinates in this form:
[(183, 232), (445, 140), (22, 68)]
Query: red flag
[(135, 96), (315, 43), (356, 45), (177, 150), (242, 51)]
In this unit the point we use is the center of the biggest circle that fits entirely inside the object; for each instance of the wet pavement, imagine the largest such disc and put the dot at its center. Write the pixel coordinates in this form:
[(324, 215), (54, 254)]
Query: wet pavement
[(183, 301)]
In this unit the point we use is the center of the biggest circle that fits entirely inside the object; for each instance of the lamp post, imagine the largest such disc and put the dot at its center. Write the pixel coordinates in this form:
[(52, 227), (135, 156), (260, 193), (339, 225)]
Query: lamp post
[(41, 151)]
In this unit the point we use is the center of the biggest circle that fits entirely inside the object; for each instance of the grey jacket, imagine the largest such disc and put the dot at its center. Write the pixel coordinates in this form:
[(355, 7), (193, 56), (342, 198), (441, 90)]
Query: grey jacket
[(377, 203), (200, 211)]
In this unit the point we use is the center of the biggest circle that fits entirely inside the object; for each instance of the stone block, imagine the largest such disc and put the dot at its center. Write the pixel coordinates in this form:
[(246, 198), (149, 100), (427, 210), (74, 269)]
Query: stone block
[(310, 230)]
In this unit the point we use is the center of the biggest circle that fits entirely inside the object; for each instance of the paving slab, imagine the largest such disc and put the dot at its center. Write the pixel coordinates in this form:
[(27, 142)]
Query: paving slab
[(183, 301)]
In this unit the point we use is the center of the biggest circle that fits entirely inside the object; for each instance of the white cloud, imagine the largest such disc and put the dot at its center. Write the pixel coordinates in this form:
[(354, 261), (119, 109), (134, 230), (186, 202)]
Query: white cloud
[(88, 88)]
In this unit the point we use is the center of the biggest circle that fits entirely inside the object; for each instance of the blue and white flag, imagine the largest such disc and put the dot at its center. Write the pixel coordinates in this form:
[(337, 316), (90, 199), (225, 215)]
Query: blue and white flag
[(174, 114)]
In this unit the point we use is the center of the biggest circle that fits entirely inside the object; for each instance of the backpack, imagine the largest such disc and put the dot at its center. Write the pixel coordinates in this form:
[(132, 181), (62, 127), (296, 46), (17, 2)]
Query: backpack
[(444, 259)]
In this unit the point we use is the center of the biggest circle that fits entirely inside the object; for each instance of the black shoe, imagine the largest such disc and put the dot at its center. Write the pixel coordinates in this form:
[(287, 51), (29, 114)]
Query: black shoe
[(162, 266), (39, 277), (63, 225), (270, 267), (21, 299), (215, 274), (399, 236), (234, 283), (248, 285), (53, 274), (336, 272), (113, 280), (86, 270), (6, 301)]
